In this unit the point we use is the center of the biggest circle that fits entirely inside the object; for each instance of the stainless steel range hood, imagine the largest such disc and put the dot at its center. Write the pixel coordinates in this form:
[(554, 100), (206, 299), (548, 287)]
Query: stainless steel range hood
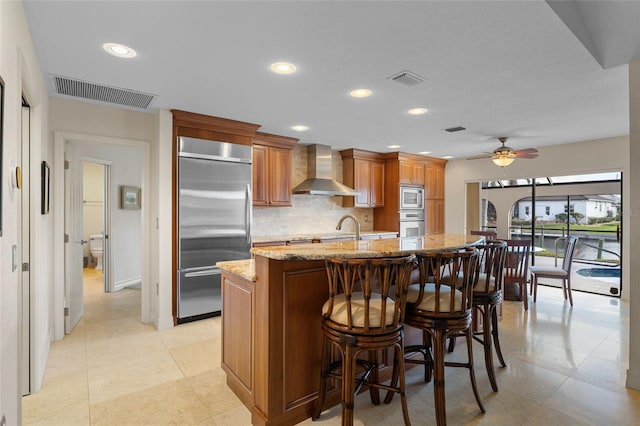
[(319, 181)]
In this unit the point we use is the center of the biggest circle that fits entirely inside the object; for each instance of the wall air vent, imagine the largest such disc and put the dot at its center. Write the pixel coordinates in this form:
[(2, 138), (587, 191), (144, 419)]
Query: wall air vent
[(407, 78), (100, 93), (455, 129)]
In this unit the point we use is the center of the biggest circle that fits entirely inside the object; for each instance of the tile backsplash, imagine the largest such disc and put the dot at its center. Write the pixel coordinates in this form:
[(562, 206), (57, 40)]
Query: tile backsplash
[(309, 214)]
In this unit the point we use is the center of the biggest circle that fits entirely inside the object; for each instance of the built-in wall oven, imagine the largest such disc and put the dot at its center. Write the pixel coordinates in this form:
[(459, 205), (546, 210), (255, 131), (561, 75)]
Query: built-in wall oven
[(411, 223), (411, 197)]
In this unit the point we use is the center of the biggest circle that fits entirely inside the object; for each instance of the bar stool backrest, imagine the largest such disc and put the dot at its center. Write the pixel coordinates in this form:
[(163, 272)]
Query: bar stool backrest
[(368, 295), (491, 264), (437, 271)]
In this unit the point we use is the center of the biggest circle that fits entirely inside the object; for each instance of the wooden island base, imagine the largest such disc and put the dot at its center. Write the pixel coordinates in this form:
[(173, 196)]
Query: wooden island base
[(271, 325)]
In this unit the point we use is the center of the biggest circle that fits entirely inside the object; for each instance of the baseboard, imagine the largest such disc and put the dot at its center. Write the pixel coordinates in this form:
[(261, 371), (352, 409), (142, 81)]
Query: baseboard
[(633, 379), (164, 323), (126, 283)]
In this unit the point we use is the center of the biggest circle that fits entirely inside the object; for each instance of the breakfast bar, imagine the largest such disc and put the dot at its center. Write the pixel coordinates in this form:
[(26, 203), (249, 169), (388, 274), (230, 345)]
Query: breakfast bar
[(271, 321)]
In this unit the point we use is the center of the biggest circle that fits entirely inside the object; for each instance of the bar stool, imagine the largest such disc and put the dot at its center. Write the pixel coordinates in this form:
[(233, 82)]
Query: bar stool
[(364, 313), (441, 310), (487, 296)]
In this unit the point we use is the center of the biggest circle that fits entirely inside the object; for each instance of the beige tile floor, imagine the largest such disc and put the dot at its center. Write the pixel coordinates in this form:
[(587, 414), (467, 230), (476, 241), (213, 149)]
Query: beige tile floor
[(566, 366)]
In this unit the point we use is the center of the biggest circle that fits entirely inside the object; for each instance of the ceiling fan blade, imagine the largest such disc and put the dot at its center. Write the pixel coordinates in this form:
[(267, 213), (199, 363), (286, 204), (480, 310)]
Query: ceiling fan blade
[(526, 153), (477, 157)]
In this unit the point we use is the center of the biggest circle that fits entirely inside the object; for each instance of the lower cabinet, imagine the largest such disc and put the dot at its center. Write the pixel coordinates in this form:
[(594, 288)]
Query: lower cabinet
[(238, 308)]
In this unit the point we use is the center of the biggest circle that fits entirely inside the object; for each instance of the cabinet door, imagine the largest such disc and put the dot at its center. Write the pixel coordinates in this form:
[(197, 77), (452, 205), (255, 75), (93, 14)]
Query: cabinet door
[(238, 331), (377, 184), (434, 182), (406, 172), (362, 182), (279, 176), (434, 220), (260, 183), (417, 174)]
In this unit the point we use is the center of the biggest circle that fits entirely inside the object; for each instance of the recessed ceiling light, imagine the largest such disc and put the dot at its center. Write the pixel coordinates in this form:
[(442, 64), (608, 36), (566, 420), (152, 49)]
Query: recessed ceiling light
[(447, 157), (393, 146), (418, 111), (299, 128), (119, 50), (283, 68), (424, 152), (360, 93)]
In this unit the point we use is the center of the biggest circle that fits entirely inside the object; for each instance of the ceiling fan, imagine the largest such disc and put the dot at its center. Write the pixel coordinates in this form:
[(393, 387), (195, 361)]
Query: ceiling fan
[(504, 155)]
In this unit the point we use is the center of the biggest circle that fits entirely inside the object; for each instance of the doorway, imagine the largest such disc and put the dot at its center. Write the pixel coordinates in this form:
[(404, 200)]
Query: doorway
[(95, 221), (68, 298), (546, 210)]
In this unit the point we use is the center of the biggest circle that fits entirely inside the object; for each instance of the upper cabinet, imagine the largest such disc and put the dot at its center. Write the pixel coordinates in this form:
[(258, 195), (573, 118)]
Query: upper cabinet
[(434, 196), (363, 171), (411, 172), (434, 181), (272, 169)]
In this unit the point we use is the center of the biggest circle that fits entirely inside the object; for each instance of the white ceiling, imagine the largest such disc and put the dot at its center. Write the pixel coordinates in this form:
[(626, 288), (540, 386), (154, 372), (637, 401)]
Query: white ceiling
[(497, 68)]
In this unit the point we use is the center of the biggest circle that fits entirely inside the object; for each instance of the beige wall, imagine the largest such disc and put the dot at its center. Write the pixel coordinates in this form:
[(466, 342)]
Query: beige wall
[(21, 73)]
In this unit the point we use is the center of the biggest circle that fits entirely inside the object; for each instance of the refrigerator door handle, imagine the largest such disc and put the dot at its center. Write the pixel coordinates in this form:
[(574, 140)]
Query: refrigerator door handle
[(202, 273), (248, 213)]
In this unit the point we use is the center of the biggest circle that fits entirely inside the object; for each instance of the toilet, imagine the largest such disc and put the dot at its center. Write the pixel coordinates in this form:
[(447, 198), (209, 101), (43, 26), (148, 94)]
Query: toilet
[(95, 247)]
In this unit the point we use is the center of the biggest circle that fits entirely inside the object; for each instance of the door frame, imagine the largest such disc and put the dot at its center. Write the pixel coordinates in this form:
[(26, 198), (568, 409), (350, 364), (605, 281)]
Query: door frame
[(60, 139), (25, 221)]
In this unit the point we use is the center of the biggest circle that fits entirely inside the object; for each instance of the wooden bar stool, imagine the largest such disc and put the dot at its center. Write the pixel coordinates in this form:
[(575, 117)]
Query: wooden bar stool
[(487, 296), (364, 314), (441, 310)]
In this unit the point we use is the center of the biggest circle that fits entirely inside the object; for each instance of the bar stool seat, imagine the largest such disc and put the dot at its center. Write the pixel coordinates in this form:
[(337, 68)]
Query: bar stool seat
[(364, 315)]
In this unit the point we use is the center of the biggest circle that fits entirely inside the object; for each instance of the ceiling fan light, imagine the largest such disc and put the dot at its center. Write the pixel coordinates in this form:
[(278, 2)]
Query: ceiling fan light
[(502, 161)]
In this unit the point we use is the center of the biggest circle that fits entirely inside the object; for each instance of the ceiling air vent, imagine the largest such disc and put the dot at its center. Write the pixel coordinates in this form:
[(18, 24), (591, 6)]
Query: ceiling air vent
[(100, 93), (455, 129), (407, 78)]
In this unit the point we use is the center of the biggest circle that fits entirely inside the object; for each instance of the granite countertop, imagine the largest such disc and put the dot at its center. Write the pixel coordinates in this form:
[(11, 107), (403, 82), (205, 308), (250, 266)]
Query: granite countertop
[(245, 268), (367, 248), (319, 236)]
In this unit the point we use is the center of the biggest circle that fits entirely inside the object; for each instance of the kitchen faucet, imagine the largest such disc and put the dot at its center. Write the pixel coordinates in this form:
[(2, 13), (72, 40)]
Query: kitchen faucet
[(355, 220)]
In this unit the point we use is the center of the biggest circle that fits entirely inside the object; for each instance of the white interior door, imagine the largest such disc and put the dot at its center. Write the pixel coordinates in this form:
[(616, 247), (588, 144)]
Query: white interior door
[(74, 306), (106, 241)]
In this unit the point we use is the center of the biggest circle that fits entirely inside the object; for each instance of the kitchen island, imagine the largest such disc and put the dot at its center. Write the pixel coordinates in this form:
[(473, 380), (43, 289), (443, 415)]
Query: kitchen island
[(271, 321)]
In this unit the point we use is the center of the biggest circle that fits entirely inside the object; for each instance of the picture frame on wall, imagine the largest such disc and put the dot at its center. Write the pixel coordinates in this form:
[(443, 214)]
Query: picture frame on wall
[(130, 197), (45, 187), (1, 146)]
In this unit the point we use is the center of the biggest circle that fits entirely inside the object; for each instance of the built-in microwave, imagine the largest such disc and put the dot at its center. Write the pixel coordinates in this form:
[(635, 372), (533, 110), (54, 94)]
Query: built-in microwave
[(411, 197)]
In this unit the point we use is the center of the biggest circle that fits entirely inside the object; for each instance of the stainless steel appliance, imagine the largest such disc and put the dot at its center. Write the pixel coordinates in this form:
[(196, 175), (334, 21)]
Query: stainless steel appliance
[(411, 223), (411, 197), (214, 220)]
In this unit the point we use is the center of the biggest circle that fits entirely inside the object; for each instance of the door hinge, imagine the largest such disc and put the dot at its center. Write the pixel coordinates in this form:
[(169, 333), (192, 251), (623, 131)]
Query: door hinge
[(66, 164), (25, 267), (66, 238), (66, 312)]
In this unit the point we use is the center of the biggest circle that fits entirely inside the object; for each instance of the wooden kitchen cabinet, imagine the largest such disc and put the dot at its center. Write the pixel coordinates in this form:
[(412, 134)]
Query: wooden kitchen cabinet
[(411, 172), (434, 220), (434, 181), (365, 173), (434, 196), (238, 325), (272, 170)]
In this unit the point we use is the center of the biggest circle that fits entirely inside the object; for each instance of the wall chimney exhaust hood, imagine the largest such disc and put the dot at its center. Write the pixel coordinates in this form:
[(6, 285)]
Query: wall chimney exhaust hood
[(319, 181)]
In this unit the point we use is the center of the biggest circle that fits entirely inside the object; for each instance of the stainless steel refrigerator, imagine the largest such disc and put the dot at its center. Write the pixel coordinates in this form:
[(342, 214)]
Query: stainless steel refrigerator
[(214, 220)]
